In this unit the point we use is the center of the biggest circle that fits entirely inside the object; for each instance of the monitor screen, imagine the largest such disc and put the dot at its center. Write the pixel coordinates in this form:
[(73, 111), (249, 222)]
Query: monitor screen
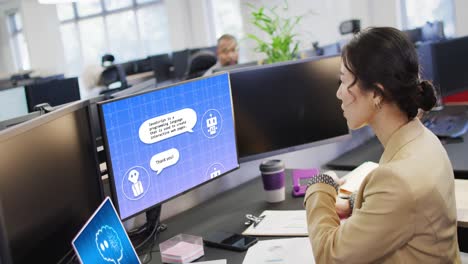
[(49, 184), (13, 103), (165, 142), (283, 106), (451, 65), (55, 92), (180, 59), (162, 67)]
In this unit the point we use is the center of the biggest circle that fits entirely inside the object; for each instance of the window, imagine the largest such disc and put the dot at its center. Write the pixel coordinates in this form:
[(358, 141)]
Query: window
[(18, 42), (226, 16), (128, 29), (417, 12), (227, 20)]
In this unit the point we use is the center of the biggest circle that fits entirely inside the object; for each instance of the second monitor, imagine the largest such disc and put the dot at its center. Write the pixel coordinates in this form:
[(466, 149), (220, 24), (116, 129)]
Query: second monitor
[(287, 106), (165, 142)]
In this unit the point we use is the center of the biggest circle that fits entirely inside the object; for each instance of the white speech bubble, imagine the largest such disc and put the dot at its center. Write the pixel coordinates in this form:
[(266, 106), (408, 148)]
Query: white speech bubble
[(168, 125), (164, 159)]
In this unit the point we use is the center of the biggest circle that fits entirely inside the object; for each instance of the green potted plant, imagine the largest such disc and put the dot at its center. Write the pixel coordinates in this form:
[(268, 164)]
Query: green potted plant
[(281, 44)]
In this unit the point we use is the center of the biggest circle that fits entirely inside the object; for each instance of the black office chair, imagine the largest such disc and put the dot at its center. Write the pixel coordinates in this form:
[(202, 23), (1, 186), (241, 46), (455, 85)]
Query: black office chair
[(200, 62), (113, 74)]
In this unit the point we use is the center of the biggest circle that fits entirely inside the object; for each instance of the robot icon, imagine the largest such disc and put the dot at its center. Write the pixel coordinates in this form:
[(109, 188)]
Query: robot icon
[(135, 183), (211, 124), (137, 187), (215, 173)]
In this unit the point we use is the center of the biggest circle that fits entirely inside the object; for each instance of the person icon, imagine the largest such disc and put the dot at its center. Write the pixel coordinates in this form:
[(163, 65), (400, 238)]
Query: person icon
[(211, 124), (137, 187)]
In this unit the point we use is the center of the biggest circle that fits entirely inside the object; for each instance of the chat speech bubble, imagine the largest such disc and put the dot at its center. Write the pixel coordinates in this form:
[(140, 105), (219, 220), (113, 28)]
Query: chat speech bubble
[(168, 125), (164, 159)]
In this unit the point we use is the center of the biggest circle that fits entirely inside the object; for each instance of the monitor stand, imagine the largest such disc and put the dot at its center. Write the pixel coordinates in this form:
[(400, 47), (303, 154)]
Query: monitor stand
[(146, 239), (153, 218)]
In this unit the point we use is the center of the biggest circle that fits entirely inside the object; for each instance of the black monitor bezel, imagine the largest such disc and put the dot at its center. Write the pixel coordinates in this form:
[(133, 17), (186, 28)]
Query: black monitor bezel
[(243, 159), (21, 128), (108, 156), (436, 51)]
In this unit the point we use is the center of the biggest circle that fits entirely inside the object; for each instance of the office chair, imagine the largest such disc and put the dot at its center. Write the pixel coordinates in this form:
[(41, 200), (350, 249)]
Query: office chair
[(200, 62), (112, 75)]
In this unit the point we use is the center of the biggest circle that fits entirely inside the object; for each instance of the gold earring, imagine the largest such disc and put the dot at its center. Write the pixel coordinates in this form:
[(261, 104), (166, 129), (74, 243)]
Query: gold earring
[(378, 105)]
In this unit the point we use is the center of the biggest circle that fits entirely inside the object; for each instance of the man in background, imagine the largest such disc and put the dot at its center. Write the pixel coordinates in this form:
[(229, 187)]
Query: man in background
[(227, 52)]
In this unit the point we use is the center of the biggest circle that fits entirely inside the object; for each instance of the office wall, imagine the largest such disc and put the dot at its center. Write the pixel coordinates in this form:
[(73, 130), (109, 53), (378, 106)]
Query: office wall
[(461, 17), (42, 33), (6, 55)]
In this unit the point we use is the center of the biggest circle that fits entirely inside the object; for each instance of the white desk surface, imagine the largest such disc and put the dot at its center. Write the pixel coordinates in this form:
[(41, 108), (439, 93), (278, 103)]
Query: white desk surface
[(461, 196)]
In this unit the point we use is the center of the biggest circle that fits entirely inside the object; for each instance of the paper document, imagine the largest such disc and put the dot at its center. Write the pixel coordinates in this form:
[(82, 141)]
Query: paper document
[(461, 198), (356, 177), (280, 251), (280, 223)]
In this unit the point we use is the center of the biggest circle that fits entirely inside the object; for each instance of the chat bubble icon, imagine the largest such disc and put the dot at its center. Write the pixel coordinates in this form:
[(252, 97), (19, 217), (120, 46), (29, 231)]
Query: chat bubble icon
[(109, 244), (164, 159), (167, 126)]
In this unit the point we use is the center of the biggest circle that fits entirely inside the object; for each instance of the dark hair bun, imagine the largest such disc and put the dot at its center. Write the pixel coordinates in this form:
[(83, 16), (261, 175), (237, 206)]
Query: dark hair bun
[(427, 100)]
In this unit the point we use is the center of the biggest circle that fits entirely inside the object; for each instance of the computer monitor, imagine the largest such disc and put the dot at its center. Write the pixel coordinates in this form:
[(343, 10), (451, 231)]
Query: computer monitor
[(287, 106), (18, 120), (180, 59), (162, 67), (13, 103), (165, 142), (451, 65), (414, 35), (55, 92), (433, 31), (49, 184)]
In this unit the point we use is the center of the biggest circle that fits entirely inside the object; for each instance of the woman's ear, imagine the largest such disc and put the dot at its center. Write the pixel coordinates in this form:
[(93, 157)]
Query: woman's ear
[(379, 90), (378, 94)]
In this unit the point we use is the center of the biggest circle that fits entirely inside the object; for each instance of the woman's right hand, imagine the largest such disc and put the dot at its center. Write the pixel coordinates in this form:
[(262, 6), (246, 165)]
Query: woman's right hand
[(343, 209)]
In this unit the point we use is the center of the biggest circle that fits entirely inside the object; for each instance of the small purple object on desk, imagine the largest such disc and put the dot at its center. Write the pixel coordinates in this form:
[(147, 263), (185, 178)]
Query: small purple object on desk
[(298, 174)]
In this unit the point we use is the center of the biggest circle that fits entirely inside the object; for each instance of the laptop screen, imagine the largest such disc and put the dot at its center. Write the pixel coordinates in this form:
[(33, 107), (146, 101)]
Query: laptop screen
[(103, 239)]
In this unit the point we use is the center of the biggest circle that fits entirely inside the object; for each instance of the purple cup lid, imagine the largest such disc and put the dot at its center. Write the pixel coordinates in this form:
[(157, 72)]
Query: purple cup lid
[(269, 166)]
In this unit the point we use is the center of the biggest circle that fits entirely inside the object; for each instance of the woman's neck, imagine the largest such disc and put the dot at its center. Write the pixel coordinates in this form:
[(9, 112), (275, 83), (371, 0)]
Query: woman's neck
[(387, 121)]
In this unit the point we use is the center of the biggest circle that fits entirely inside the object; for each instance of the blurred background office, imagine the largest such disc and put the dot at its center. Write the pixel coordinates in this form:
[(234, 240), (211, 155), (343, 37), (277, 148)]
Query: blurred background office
[(71, 38)]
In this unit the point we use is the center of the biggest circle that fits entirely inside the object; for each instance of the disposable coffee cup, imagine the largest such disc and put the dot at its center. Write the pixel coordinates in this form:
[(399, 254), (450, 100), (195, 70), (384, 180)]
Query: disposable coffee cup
[(273, 180)]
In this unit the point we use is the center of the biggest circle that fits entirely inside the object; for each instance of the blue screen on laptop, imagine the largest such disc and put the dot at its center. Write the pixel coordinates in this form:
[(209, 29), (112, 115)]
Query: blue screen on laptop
[(167, 141), (103, 239)]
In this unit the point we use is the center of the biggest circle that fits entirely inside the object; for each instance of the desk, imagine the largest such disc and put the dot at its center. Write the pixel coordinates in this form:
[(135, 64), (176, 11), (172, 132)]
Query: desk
[(226, 212), (372, 150), (139, 77), (461, 196)]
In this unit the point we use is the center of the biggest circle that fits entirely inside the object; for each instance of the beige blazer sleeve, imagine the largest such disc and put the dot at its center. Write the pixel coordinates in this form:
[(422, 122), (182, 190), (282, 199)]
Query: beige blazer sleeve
[(381, 226)]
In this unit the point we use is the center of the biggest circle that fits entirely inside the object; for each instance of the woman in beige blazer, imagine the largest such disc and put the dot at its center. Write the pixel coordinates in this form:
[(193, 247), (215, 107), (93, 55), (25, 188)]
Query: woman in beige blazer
[(404, 211)]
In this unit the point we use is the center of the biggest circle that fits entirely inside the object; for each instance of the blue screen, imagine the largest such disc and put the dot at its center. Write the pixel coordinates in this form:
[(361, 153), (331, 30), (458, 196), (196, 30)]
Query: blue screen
[(103, 240), (167, 141)]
